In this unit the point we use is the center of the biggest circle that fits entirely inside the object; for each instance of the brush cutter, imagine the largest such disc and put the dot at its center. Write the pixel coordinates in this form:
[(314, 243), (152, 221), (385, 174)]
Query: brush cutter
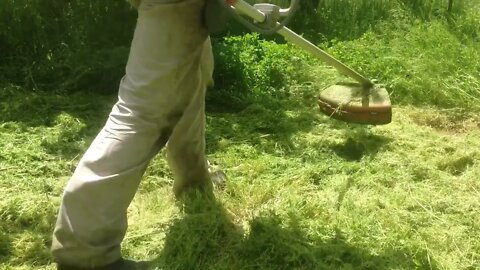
[(361, 102)]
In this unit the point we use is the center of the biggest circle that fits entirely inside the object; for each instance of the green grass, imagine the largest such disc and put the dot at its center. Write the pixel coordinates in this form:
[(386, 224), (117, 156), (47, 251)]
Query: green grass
[(415, 68), (304, 191)]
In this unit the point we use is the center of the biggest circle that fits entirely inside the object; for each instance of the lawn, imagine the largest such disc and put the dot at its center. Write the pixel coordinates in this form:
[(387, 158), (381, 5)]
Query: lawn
[(303, 192)]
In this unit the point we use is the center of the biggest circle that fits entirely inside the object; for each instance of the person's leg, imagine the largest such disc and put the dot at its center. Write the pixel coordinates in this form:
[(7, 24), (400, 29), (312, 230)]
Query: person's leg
[(186, 145), (92, 218), (163, 75)]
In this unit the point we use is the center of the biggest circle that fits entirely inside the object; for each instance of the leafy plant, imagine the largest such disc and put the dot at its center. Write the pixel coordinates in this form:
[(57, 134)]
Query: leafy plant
[(249, 68)]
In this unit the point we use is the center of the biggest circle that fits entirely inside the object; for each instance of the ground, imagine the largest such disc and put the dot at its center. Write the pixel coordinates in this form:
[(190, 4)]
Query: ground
[(303, 192)]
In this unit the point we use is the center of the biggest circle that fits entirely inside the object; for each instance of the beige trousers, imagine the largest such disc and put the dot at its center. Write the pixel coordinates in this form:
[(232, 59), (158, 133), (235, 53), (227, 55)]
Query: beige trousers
[(161, 98)]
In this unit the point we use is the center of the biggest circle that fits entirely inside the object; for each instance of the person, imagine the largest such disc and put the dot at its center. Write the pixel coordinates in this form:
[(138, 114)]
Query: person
[(161, 99)]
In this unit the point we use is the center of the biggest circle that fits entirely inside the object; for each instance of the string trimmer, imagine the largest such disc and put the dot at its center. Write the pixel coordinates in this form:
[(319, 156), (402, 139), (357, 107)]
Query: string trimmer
[(361, 102)]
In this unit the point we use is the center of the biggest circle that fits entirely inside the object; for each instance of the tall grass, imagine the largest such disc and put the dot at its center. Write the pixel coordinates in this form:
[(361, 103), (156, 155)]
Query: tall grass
[(50, 44), (425, 53), (348, 20), (83, 45), (431, 63)]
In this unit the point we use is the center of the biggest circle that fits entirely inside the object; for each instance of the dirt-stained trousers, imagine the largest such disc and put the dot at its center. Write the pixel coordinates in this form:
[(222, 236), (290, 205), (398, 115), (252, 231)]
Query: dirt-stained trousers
[(161, 98)]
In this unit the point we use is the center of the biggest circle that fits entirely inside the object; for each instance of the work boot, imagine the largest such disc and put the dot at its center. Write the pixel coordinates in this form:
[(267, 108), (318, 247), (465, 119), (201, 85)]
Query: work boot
[(117, 265)]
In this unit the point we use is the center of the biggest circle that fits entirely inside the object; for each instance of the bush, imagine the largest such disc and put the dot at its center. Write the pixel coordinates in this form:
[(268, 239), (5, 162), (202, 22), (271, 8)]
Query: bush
[(248, 68)]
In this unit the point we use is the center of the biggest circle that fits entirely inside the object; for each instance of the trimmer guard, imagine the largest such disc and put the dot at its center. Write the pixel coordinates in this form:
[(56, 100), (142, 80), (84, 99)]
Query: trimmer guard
[(355, 103)]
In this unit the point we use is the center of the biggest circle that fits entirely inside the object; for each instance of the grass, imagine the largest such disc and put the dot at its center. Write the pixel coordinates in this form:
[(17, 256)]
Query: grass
[(415, 73), (304, 191)]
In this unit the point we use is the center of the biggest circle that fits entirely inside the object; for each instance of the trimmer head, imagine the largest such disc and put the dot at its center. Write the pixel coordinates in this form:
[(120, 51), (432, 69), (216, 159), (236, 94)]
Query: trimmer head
[(355, 103)]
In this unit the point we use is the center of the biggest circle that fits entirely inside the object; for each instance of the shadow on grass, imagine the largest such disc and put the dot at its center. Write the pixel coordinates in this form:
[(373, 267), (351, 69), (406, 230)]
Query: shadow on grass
[(268, 125), (25, 233), (269, 128), (83, 116), (356, 146), (206, 238), (6, 244)]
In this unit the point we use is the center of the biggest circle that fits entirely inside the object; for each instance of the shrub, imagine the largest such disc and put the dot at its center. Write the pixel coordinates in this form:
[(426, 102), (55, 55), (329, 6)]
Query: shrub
[(248, 68)]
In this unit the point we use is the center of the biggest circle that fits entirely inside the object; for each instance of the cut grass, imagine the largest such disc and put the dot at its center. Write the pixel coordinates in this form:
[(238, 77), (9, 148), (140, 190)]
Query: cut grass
[(304, 191)]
